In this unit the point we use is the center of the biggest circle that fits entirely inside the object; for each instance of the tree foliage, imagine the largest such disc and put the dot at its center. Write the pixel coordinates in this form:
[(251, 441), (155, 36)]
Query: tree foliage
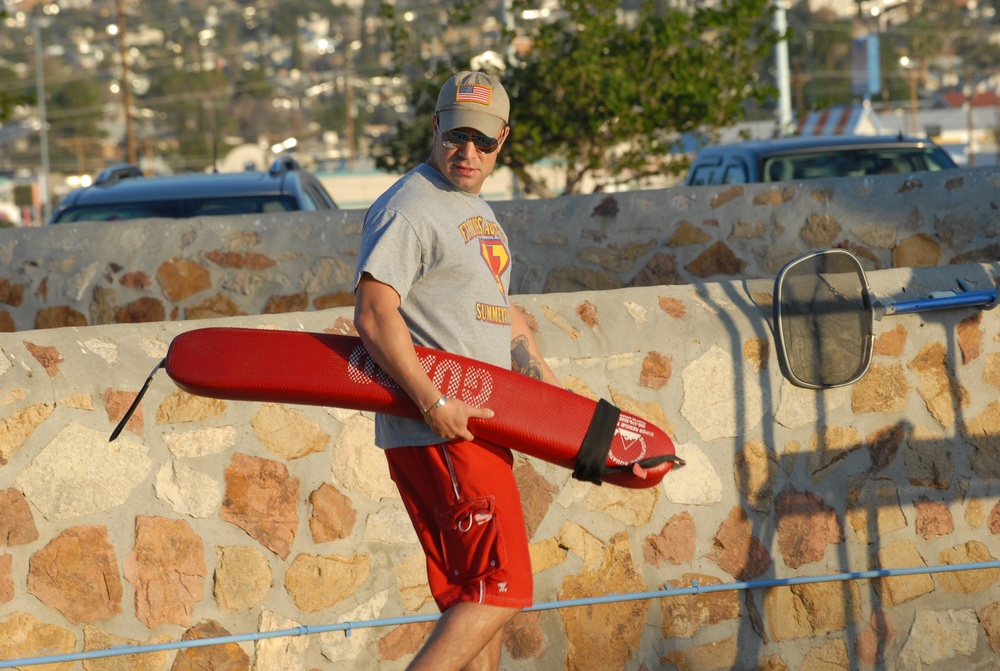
[(9, 99), (608, 95), (194, 106)]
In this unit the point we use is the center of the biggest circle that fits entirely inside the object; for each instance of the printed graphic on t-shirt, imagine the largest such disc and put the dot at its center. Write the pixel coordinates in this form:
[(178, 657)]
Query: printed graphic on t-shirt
[(493, 250), (497, 257)]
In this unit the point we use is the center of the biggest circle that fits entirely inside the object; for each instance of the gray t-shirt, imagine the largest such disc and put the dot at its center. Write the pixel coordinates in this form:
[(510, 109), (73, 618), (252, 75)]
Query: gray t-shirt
[(446, 256)]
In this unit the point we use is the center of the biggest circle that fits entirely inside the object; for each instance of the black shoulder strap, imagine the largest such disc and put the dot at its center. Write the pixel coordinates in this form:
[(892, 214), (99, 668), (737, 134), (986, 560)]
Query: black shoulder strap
[(135, 403), (593, 454)]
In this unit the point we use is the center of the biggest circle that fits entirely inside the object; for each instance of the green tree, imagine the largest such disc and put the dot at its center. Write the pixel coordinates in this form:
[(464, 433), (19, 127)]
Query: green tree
[(9, 97), (608, 94), (75, 111), (12, 92), (194, 108)]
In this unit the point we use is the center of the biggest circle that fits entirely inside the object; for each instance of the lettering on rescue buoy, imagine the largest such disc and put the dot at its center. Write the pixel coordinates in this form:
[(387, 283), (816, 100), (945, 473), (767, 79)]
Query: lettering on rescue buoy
[(629, 443), (472, 384)]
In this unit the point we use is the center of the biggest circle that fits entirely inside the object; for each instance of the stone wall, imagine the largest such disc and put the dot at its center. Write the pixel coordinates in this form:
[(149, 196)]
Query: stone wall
[(208, 518), (153, 270)]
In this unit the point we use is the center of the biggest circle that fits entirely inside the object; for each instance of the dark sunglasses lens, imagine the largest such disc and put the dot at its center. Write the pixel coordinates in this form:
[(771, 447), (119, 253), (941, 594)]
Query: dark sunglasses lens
[(485, 145), (457, 138)]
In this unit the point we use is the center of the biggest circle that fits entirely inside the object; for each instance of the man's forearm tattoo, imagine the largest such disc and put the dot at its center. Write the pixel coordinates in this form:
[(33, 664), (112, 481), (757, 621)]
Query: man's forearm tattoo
[(521, 360)]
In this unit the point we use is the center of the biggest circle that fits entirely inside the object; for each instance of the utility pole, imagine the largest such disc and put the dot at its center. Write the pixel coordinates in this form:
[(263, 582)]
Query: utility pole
[(970, 88), (349, 104), (43, 137), (126, 88), (914, 126), (781, 66)]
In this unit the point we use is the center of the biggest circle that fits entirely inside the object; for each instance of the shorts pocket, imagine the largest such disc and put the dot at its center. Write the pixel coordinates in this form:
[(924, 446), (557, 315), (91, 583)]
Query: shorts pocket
[(470, 539)]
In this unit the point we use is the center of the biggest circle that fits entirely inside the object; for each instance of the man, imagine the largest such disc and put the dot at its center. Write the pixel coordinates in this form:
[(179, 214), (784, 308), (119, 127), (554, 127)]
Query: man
[(434, 270)]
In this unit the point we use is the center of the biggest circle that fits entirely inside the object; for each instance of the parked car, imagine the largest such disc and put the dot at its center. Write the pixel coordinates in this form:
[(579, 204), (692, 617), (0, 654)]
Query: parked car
[(816, 157), (122, 192)]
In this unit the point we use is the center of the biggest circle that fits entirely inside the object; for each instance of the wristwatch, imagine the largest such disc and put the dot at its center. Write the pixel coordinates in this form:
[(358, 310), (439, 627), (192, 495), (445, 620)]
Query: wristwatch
[(441, 401)]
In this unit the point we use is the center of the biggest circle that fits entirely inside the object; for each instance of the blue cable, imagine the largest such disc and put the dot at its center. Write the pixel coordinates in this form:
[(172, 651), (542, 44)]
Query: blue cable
[(348, 627)]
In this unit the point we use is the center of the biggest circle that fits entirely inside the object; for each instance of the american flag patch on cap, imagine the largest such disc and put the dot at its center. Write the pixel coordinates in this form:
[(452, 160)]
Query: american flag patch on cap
[(473, 93)]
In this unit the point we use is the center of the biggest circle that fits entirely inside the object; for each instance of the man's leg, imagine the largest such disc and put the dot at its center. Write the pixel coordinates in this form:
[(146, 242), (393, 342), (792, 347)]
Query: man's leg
[(431, 479), (467, 637)]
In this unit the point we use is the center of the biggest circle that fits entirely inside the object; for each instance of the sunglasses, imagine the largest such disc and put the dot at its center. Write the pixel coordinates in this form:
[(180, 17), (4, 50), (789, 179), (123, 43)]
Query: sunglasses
[(453, 139)]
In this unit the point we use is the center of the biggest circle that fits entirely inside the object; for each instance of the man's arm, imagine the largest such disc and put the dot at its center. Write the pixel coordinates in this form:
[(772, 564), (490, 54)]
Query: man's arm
[(387, 339), (525, 357)]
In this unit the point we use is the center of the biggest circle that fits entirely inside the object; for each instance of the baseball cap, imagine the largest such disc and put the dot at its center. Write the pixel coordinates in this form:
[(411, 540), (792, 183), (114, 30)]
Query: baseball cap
[(473, 100)]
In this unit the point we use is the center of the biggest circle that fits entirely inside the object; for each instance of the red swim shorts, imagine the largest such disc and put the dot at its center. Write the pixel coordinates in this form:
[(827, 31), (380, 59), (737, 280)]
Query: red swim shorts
[(466, 509)]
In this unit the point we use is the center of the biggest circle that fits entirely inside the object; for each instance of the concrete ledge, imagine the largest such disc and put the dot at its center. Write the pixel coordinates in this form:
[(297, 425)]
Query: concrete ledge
[(156, 270)]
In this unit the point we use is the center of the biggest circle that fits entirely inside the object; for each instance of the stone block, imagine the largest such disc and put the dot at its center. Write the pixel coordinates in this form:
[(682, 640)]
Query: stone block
[(890, 343), (141, 310), (222, 657), (80, 473), (584, 651), (933, 518), (942, 393), (24, 635), (970, 337), (242, 577), (6, 578), (316, 583), (915, 251), (938, 637), (287, 432), (811, 609), (77, 574), (756, 471), (830, 447), (928, 459), (820, 230), (261, 498), (182, 407), (180, 279), (883, 389), (403, 641), (17, 525), (830, 655), (95, 638), (806, 526), (684, 615), (718, 259), (333, 514), (873, 508), (714, 656), (167, 570), (656, 370), (47, 355), (989, 617), (899, 589), (524, 637), (968, 581), (675, 543), (983, 431), (736, 550), (286, 652)]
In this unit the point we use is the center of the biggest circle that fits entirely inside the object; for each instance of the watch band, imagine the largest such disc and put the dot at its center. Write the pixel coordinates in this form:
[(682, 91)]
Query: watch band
[(437, 404)]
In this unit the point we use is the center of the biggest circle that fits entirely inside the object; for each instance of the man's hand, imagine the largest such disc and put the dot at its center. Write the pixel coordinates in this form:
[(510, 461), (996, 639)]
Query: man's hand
[(451, 420)]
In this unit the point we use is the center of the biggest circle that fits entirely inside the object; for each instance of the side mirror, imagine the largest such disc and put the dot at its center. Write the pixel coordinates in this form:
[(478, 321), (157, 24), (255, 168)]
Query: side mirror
[(823, 320)]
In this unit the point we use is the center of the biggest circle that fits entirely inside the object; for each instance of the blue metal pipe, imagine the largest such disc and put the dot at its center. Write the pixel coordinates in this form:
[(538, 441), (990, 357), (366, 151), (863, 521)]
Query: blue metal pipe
[(348, 627), (957, 300)]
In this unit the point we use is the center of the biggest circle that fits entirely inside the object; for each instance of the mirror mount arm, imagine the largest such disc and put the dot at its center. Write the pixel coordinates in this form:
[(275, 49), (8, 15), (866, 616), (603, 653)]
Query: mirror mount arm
[(938, 300)]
